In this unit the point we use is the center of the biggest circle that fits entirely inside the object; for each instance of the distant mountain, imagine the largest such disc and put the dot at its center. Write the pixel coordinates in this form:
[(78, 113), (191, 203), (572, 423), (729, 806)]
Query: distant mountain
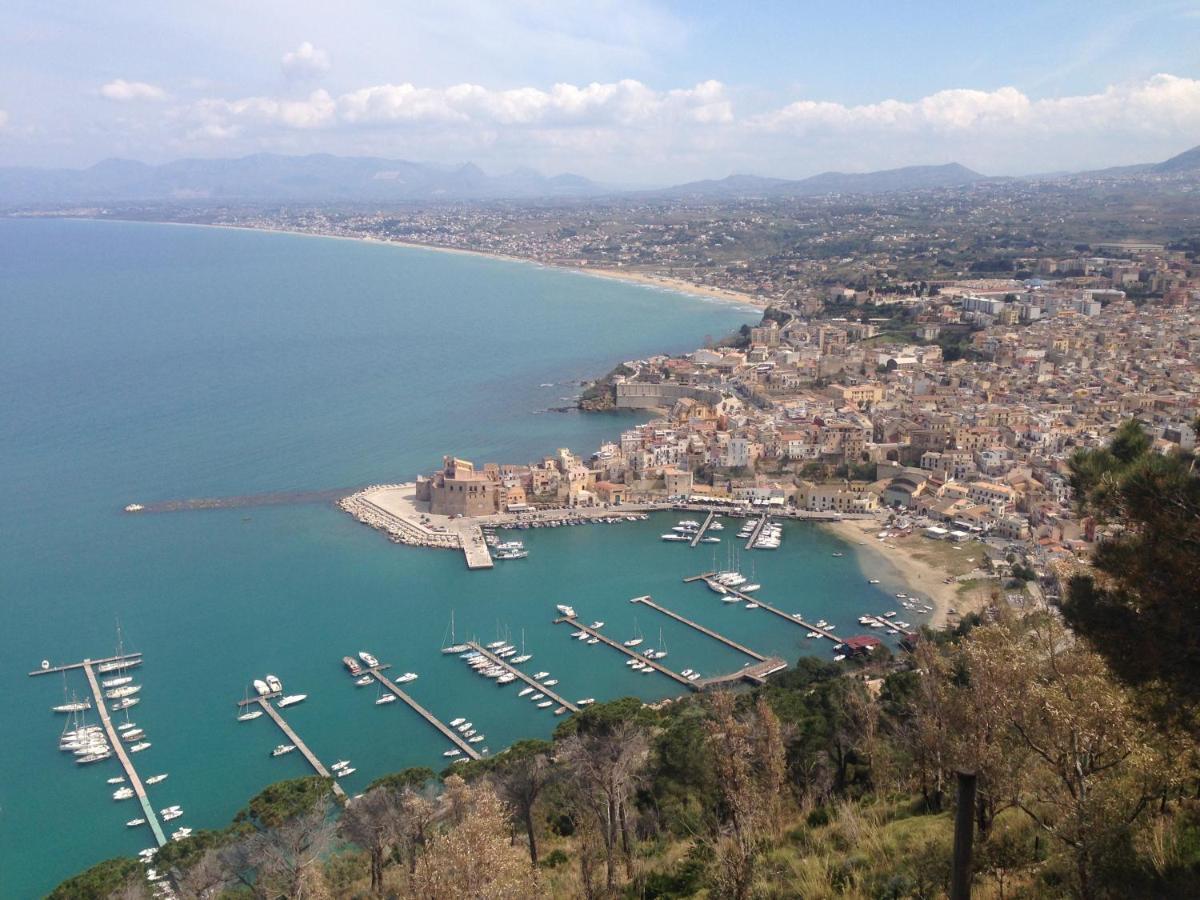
[(272, 178), (910, 178), (1187, 161)]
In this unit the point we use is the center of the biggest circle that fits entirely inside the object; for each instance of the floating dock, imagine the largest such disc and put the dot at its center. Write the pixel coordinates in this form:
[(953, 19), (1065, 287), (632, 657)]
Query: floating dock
[(130, 660), (525, 678), (708, 520), (758, 527), (119, 749), (318, 766), (450, 734), (888, 623), (732, 592), (753, 654), (617, 645)]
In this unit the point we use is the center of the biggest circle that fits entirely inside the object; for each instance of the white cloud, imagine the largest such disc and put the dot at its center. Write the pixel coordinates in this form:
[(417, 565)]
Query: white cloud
[(224, 118), (123, 90), (3, 118), (1160, 103), (306, 61)]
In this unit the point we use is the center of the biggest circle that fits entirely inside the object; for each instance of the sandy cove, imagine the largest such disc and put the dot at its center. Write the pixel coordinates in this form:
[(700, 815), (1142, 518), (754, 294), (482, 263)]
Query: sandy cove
[(898, 570)]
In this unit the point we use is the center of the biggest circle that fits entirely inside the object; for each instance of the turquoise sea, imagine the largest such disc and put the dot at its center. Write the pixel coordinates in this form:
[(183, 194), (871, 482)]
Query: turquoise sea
[(148, 362)]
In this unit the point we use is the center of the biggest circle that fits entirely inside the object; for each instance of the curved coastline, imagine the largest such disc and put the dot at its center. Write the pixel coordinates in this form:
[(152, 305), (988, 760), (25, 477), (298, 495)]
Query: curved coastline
[(662, 283)]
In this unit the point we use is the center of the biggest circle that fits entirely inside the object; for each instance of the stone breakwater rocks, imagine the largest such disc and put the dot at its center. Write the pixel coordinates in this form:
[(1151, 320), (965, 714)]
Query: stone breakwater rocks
[(400, 530)]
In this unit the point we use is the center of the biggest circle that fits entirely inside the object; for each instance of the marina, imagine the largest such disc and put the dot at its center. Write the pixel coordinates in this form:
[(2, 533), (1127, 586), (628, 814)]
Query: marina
[(753, 654), (703, 529), (758, 527)]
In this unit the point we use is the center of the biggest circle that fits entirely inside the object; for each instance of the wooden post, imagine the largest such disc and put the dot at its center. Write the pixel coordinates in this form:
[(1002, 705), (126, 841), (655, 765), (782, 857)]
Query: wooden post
[(964, 837)]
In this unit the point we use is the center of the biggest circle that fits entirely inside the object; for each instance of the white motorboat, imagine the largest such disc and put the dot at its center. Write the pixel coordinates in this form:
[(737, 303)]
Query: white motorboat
[(694, 676), (597, 625), (452, 753), (568, 611), (120, 779), (594, 640), (711, 539), (73, 706), (545, 703), (633, 642), (464, 726), (343, 773), (116, 682), (181, 834), (138, 748), (125, 726), (454, 723), (123, 793), (291, 700), (340, 764), (134, 735), (686, 672), (125, 703), (587, 701), (364, 681), (525, 692), (368, 658), (274, 684), (550, 682), (281, 749), (540, 675), (476, 739), (156, 779), (173, 814), (406, 678), (675, 537), (385, 698), (127, 691), (93, 757), (250, 715), (506, 678), (524, 657), (751, 606), (260, 687), (646, 670), (638, 665), (537, 697), (134, 823)]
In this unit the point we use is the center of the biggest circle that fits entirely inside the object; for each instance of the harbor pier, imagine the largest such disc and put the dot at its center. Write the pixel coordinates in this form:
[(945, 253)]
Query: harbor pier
[(753, 654), (114, 739), (617, 645), (708, 520), (289, 732), (533, 683), (758, 527), (733, 592), (449, 733)]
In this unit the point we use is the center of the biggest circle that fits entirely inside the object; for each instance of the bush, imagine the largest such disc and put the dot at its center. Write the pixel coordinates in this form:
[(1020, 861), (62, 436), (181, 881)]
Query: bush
[(818, 817), (553, 859)]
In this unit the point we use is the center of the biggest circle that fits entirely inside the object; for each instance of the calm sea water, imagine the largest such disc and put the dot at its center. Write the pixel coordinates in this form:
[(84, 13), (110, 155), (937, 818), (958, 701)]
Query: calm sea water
[(143, 362)]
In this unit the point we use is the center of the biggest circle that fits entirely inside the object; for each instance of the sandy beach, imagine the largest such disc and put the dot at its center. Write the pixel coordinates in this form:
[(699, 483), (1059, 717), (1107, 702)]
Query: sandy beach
[(905, 564)]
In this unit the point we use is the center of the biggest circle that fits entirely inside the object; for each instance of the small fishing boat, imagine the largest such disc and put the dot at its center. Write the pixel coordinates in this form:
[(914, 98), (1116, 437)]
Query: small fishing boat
[(545, 703)]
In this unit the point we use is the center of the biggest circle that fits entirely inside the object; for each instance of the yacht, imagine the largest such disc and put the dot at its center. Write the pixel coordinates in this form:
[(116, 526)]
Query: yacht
[(181, 834), (364, 681), (274, 684), (155, 779), (452, 753), (568, 611), (675, 537), (73, 706), (93, 757), (125, 726), (597, 624), (282, 749), (249, 715), (172, 814), (291, 700), (406, 678), (464, 726), (476, 739), (693, 677), (525, 692), (116, 682), (123, 793), (134, 823), (524, 657), (352, 665), (746, 589), (540, 675), (340, 764), (118, 665), (385, 698), (588, 701), (138, 748), (120, 779), (594, 640), (125, 704), (496, 645), (537, 697), (506, 678), (550, 682), (560, 710), (545, 703), (633, 642), (710, 540), (454, 723), (813, 634), (260, 687), (346, 772), (686, 672), (368, 658), (134, 735), (456, 648)]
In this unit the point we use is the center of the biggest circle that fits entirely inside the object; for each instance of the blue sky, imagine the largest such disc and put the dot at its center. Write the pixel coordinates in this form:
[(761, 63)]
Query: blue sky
[(635, 92)]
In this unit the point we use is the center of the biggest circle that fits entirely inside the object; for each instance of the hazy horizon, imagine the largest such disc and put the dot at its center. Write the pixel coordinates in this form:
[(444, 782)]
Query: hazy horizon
[(638, 94)]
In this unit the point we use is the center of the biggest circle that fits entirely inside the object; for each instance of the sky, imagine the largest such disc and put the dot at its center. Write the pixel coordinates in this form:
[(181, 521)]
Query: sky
[(631, 93)]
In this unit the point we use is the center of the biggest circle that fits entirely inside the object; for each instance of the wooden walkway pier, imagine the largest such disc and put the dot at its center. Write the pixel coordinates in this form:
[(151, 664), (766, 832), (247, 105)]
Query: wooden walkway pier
[(617, 645), (704, 576), (798, 622), (708, 520), (758, 527), (119, 749), (647, 601), (450, 734), (318, 766), (533, 683)]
